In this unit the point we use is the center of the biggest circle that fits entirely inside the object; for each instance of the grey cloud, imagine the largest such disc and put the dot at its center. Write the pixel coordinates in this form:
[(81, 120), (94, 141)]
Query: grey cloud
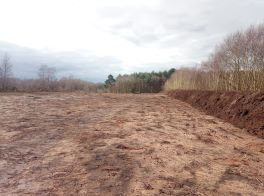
[(191, 26), (138, 39), (148, 25), (192, 17), (26, 62)]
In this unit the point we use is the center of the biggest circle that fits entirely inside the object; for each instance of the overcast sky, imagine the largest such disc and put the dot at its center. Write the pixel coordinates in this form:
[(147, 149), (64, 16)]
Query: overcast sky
[(91, 38)]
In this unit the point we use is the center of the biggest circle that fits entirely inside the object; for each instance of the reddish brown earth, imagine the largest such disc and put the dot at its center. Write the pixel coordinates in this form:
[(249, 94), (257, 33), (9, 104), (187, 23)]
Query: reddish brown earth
[(91, 144), (242, 109)]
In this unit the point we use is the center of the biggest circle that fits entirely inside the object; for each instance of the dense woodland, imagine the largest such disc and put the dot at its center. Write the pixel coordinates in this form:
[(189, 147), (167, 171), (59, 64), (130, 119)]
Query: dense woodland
[(139, 82), (236, 65)]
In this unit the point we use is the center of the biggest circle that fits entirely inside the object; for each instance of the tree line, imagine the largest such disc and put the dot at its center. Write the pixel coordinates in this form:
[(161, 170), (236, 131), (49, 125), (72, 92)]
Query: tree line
[(46, 81), (236, 65), (152, 82)]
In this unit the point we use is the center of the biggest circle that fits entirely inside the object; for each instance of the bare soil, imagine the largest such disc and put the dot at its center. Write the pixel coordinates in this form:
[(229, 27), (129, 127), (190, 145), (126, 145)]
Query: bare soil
[(91, 144), (242, 109)]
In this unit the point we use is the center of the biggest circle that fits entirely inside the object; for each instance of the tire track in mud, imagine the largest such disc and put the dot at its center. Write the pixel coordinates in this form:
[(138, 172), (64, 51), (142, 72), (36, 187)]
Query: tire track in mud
[(91, 144)]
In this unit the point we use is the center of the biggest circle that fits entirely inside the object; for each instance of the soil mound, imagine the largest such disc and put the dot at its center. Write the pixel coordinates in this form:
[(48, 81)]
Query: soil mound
[(242, 109)]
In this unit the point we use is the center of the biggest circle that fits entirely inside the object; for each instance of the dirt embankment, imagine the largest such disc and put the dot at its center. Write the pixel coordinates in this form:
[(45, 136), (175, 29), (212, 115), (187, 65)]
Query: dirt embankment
[(244, 110)]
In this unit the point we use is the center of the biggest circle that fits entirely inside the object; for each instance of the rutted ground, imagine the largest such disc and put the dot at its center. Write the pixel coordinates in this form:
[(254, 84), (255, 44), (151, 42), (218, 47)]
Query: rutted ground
[(81, 144)]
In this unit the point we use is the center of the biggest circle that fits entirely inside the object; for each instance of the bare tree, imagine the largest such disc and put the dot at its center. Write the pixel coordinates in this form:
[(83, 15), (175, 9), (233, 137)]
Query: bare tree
[(47, 76), (5, 72)]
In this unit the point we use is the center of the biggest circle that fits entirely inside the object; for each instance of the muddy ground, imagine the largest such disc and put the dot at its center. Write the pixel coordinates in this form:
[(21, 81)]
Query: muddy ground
[(242, 109), (80, 144)]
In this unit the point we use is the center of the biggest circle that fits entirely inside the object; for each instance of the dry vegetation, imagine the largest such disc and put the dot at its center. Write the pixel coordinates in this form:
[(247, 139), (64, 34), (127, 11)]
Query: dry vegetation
[(236, 65), (109, 144), (46, 81)]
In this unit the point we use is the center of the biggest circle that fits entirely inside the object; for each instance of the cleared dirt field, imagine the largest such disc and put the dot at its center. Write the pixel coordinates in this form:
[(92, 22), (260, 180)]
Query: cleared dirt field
[(81, 144)]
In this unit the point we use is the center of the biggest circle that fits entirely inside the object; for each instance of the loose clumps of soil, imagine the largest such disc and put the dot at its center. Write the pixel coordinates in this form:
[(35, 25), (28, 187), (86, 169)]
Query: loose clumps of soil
[(122, 144), (242, 109)]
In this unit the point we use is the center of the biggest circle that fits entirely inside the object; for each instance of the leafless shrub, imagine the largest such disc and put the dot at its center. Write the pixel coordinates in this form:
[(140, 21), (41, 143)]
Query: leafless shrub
[(47, 77), (5, 72)]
